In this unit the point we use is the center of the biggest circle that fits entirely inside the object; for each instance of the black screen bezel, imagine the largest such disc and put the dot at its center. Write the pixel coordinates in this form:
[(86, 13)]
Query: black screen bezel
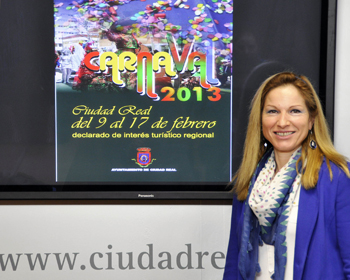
[(159, 190)]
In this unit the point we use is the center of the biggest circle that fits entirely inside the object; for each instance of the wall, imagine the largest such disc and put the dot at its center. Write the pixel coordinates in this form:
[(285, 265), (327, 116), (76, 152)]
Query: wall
[(88, 241), (342, 86)]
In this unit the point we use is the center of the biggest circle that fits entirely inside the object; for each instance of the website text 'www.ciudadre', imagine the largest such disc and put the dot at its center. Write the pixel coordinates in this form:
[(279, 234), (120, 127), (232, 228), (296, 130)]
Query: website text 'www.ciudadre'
[(109, 260)]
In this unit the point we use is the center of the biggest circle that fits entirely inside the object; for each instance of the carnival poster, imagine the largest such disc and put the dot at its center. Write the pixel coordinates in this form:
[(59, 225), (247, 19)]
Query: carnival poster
[(143, 91)]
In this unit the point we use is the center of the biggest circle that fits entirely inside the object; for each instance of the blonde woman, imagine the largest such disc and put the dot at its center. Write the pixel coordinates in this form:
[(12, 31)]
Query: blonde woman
[(291, 211)]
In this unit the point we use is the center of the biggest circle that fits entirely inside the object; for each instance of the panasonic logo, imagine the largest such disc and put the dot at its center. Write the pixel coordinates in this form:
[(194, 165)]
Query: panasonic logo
[(145, 195)]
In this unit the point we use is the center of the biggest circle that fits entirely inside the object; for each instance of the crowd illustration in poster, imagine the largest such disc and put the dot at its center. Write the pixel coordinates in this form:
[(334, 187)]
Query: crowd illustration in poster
[(85, 26)]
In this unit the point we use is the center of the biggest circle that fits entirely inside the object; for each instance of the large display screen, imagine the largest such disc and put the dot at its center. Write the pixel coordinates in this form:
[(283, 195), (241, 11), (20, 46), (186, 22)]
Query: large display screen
[(144, 99)]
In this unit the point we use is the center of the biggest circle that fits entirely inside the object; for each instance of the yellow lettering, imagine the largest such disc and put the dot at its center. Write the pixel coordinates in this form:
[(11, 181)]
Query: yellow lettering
[(127, 60), (164, 62), (111, 59)]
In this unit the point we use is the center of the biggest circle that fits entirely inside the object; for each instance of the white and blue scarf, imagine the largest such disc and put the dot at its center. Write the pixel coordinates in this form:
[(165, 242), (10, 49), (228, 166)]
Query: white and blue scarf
[(266, 213)]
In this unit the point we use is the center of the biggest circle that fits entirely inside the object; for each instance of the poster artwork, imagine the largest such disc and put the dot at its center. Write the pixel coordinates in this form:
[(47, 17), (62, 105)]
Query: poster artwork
[(143, 90)]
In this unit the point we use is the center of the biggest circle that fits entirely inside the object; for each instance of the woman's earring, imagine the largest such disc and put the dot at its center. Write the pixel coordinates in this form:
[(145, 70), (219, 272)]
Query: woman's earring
[(313, 144), (264, 141)]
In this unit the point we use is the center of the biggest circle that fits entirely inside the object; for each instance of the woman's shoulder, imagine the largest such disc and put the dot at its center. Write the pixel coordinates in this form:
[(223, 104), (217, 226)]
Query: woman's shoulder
[(332, 189), (338, 174), (333, 165)]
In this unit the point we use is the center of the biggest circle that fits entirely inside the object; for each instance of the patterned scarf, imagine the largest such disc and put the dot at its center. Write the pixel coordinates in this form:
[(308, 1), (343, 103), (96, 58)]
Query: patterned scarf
[(270, 198)]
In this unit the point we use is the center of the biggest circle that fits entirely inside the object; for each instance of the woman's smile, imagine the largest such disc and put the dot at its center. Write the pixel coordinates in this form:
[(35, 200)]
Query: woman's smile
[(284, 133)]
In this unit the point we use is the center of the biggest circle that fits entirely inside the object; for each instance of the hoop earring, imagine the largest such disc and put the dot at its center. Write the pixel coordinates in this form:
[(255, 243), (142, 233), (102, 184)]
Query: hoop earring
[(312, 143)]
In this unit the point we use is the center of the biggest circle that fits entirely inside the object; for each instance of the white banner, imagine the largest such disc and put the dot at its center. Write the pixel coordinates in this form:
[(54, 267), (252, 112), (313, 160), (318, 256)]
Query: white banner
[(123, 242)]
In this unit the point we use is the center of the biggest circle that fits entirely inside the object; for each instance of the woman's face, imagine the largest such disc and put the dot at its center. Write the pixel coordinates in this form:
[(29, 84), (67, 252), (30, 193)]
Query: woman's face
[(285, 119)]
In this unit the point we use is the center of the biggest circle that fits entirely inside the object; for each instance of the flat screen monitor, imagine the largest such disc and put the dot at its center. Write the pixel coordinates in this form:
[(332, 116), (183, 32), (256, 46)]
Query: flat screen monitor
[(144, 99)]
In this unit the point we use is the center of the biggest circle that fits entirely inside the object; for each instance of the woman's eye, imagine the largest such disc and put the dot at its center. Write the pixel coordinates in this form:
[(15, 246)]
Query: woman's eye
[(295, 111), (272, 111)]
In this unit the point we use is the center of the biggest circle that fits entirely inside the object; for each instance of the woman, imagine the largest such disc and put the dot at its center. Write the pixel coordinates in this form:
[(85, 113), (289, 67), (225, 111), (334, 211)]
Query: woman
[(291, 212)]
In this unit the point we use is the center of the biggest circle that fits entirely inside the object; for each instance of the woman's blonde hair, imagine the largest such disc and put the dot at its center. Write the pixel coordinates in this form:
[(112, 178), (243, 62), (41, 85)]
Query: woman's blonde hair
[(254, 147)]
